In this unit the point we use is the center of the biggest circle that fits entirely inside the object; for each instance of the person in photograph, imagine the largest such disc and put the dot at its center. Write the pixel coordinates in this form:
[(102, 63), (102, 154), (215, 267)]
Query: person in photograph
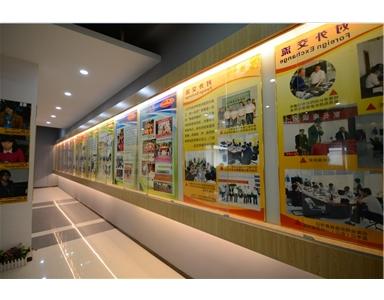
[(298, 82), (317, 77), (314, 133), (357, 187), (250, 109), (348, 193), (221, 115), (342, 135), (9, 118), (227, 118), (9, 152), (322, 189), (301, 142), (120, 140), (7, 188), (234, 116), (366, 206), (375, 77), (242, 113), (331, 189)]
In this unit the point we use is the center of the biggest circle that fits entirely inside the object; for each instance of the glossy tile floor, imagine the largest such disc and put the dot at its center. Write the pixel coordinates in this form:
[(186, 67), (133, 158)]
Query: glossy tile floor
[(71, 241)]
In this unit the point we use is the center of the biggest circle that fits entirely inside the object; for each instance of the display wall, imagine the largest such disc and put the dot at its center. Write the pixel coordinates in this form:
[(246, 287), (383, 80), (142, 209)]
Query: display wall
[(219, 117)]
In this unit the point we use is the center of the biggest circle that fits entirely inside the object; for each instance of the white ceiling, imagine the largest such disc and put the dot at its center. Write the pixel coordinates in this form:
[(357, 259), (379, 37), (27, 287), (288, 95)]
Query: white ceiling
[(60, 53)]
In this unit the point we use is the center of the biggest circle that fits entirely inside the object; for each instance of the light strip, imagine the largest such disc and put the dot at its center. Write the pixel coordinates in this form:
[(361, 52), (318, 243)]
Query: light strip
[(65, 256), (85, 241), (261, 49)]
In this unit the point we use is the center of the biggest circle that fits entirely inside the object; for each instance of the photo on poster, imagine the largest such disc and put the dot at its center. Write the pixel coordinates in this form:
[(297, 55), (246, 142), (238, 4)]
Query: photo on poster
[(164, 128), (235, 110), (312, 79), (128, 170), (163, 151), (370, 55), (148, 168), (321, 132), (239, 189), (369, 135), (14, 148), (200, 166), (120, 140), (148, 127), (119, 162), (14, 115), (343, 197), (149, 146), (13, 184), (241, 149), (165, 187)]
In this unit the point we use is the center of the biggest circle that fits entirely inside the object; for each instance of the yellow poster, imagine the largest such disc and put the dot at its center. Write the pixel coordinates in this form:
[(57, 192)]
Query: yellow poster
[(223, 144), (329, 84)]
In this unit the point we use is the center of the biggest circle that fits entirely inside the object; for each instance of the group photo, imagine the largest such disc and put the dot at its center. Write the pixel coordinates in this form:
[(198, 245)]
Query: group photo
[(312, 79), (237, 110), (344, 197), (164, 127), (239, 189), (163, 151)]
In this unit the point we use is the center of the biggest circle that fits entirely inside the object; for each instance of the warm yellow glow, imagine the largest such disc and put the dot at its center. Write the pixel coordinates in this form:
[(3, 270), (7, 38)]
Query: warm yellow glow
[(265, 48)]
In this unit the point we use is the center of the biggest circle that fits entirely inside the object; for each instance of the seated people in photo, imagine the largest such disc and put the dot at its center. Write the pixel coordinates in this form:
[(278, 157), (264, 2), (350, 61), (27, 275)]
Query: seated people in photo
[(322, 189), (366, 207), (348, 193), (234, 115), (9, 152), (342, 135), (298, 86), (10, 119), (374, 79), (314, 133), (317, 77), (7, 188), (301, 143)]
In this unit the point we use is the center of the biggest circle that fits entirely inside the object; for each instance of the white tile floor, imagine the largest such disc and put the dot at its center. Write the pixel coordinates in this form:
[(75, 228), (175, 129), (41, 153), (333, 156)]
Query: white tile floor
[(108, 254)]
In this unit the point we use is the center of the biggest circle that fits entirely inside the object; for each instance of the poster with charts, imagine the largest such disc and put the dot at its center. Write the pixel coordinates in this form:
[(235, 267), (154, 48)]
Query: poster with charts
[(105, 153), (15, 120), (329, 85), (223, 141), (126, 150), (157, 172)]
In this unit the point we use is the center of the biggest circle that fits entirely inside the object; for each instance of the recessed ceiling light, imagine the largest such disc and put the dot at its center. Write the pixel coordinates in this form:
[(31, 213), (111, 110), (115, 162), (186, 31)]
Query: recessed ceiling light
[(53, 116), (48, 122), (83, 72), (58, 107), (68, 94)]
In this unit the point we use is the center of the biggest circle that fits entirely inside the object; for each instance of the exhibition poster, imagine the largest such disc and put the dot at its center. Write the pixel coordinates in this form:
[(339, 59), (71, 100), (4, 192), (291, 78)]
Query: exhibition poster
[(126, 150), (157, 148), (91, 154), (78, 144), (105, 153), (15, 120), (223, 141), (329, 85)]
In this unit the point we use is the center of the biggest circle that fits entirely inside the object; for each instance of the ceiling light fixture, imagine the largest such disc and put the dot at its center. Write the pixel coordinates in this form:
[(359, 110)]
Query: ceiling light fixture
[(84, 72), (58, 107), (48, 122), (68, 94), (53, 116)]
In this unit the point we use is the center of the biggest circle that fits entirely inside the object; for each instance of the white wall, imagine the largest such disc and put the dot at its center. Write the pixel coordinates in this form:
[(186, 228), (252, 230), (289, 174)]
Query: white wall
[(197, 253), (18, 82)]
